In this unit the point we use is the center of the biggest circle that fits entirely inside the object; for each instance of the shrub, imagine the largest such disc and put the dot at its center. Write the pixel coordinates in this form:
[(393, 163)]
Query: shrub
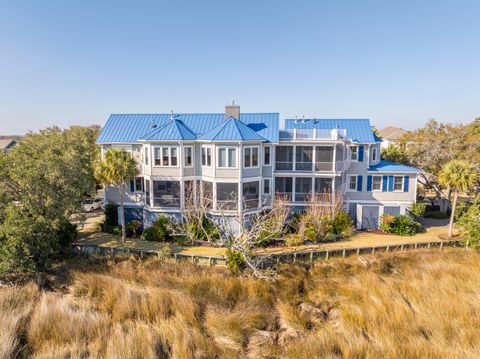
[(111, 214), (180, 240), (386, 222), (117, 230), (342, 225), (159, 231), (134, 228), (469, 223), (403, 226), (293, 240), (208, 230), (417, 210), (235, 261)]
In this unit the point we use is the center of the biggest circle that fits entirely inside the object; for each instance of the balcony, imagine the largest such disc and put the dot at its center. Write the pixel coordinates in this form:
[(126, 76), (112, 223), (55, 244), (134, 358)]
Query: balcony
[(297, 134)]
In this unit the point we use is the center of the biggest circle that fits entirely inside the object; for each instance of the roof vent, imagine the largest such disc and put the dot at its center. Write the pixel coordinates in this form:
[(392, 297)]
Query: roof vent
[(296, 119)]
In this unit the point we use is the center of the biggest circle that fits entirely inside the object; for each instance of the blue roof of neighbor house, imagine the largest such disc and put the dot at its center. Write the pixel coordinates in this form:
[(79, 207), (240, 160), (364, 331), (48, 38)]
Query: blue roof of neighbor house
[(121, 128), (387, 166), (173, 130), (231, 130), (358, 130)]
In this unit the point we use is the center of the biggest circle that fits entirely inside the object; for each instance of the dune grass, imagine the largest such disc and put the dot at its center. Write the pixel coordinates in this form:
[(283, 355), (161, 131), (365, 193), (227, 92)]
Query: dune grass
[(422, 304)]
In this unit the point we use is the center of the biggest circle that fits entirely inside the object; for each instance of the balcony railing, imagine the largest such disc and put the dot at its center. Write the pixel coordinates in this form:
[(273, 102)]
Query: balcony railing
[(283, 166), (303, 166), (312, 134), (166, 201)]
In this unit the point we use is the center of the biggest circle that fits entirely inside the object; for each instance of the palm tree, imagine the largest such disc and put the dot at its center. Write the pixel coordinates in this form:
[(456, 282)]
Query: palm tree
[(459, 175), (117, 167)]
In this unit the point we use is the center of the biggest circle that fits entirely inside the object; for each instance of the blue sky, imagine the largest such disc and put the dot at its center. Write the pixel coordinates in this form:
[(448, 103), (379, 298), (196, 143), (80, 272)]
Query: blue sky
[(395, 62)]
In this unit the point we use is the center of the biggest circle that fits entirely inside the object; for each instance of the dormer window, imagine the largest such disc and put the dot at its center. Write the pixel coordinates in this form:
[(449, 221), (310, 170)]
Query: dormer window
[(374, 154)]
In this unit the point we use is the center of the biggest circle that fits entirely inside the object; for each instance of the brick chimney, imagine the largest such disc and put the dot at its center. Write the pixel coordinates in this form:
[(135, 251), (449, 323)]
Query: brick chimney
[(232, 111)]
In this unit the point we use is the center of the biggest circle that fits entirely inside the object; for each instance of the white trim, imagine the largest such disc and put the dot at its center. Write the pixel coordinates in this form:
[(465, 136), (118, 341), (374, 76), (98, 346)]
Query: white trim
[(227, 157), (270, 155), (206, 147), (192, 155), (348, 189), (381, 183), (351, 152), (169, 156), (269, 186), (374, 150), (398, 190), (251, 156)]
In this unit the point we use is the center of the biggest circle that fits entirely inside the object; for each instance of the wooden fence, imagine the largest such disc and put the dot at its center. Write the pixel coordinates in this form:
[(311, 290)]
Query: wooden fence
[(267, 260)]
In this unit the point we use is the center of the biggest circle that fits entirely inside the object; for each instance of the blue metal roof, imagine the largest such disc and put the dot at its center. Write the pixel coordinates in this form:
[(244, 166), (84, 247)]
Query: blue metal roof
[(387, 166), (231, 130), (121, 128), (173, 130), (358, 130)]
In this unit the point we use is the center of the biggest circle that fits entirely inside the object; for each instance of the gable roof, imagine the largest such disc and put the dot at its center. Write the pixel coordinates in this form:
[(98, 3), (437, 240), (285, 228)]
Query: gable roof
[(6, 143), (387, 166), (358, 130), (128, 128), (391, 133), (231, 130), (173, 130)]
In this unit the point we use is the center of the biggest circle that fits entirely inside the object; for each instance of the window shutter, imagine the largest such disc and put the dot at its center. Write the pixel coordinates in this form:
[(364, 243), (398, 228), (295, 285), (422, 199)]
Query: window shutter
[(384, 183), (405, 183), (369, 183), (390, 183), (143, 184), (132, 186), (359, 183), (360, 153)]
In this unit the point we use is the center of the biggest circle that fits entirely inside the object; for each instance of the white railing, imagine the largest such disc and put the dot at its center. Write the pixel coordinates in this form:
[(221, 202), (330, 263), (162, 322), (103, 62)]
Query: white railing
[(300, 134)]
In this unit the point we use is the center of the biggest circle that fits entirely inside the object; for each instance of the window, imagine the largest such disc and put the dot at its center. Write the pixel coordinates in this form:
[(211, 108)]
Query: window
[(398, 183), (166, 193), (145, 151), (227, 196), (250, 157), (377, 183), (323, 185), (266, 156), (189, 193), (138, 184), (303, 158), (323, 158), (251, 194), (165, 156), (173, 156), (303, 189), (374, 154), (147, 192), (207, 156), (284, 158), (323, 189), (207, 194), (354, 150), (284, 186), (353, 183), (227, 157), (266, 186), (188, 156)]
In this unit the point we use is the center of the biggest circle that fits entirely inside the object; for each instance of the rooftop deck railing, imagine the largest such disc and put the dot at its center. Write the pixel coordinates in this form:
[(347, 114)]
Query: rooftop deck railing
[(300, 134)]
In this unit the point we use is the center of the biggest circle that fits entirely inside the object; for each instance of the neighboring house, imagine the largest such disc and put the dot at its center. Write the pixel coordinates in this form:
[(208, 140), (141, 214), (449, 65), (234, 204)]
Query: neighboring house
[(6, 144), (391, 135), (238, 161)]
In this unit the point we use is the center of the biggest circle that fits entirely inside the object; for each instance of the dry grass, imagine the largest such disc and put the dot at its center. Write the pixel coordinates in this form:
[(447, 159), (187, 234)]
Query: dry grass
[(421, 304)]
